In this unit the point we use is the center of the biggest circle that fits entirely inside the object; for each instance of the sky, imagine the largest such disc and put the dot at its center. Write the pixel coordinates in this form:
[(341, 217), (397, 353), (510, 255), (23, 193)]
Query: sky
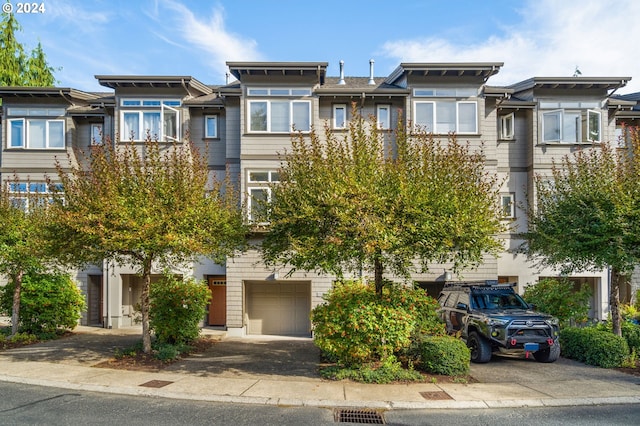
[(533, 38)]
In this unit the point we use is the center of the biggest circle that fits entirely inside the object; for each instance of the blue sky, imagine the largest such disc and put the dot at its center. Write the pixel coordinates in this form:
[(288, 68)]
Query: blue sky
[(191, 37)]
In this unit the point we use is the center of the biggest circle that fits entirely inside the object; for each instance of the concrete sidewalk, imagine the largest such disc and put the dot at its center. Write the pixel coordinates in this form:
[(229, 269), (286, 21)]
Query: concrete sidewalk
[(280, 371)]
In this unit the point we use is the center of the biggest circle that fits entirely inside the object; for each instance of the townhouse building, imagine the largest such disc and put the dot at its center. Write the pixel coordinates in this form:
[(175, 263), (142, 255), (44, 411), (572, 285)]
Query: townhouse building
[(246, 124)]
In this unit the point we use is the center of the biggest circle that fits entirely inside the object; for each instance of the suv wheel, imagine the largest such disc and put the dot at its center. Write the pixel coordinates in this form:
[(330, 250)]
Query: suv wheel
[(480, 348), (548, 355)]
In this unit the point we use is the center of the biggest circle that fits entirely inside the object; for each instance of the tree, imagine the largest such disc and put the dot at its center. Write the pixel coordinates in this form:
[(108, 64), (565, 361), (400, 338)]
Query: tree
[(587, 215), (144, 206), (17, 68), (21, 241), (348, 203)]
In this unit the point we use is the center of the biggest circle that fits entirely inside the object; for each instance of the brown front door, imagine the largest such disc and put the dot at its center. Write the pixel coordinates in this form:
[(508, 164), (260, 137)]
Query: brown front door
[(218, 306)]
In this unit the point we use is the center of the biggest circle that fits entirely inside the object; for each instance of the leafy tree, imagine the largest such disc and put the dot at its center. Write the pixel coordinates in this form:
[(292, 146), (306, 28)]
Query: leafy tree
[(17, 67), (21, 243), (345, 203), (49, 303), (558, 297), (587, 216), (144, 206)]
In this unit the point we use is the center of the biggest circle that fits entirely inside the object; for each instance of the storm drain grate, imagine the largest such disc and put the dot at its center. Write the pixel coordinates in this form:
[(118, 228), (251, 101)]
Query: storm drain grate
[(363, 416), (436, 395), (156, 383)]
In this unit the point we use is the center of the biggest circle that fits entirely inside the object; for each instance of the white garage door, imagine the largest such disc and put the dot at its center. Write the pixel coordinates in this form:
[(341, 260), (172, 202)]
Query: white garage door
[(279, 308)]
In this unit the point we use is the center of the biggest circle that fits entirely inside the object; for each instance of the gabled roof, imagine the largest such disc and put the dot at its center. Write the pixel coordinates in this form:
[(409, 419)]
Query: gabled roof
[(579, 83), (481, 70), (67, 93), (308, 69), (188, 83)]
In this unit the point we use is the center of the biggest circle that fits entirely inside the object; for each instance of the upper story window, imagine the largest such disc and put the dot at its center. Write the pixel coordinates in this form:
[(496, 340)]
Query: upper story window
[(34, 128), (452, 112), (383, 115), (279, 115), (507, 126), (211, 126), (508, 205), (259, 193), (159, 118), (97, 134), (340, 116), (571, 122)]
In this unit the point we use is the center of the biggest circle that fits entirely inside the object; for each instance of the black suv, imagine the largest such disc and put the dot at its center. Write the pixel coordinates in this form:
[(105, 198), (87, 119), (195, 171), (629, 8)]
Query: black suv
[(492, 317)]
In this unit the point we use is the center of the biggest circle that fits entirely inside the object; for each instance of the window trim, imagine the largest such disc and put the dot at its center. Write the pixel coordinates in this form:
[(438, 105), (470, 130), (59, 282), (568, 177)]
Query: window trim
[(583, 126), (381, 124), (150, 106), (250, 189), (337, 107), (269, 120), (25, 139), (511, 196), (507, 126), (92, 135), (434, 117), (213, 117)]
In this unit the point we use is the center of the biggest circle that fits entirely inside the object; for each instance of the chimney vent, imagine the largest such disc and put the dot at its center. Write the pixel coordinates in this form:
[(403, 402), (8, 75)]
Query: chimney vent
[(371, 81), (341, 81)]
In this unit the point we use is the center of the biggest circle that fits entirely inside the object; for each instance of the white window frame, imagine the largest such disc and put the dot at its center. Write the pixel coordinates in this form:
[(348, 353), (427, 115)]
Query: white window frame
[(140, 106), (25, 137), (292, 104), (259, 180), (336, 118), (250, 201), (96, 134), (214, 119), (19, 192), (510, 199), (582, 126), (384, 123), (434, 118), (507, 126)]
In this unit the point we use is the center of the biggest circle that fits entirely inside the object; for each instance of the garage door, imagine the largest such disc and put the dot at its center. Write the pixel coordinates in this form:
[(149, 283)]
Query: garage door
[(278, 308)]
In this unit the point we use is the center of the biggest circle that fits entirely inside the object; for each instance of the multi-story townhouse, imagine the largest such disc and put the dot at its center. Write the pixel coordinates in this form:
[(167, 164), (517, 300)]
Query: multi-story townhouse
[(246, 125)]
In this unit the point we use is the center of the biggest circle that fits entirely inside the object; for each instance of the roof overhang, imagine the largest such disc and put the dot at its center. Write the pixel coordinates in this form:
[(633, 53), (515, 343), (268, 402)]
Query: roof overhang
[(69, 94), (569, 83), (480, 70), (188, 83), (304, 69)]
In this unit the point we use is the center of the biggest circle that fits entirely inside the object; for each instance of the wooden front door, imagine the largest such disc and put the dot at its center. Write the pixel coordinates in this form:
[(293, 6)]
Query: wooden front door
[(218, 306)]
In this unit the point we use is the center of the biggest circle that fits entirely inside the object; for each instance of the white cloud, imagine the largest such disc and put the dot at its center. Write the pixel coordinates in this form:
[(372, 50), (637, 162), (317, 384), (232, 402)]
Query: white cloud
[(209, 35), (551, 39)]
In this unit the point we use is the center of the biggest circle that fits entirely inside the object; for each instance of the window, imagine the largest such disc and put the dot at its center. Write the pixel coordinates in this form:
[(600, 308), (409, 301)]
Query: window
[(211, 126), (259, 193), (35, 133), (279, 116), (384, 117), (447, 116), (570, 122), (507, 126), (96, 134), (339, 116), (22, 194), (507, 204), (157, 118)]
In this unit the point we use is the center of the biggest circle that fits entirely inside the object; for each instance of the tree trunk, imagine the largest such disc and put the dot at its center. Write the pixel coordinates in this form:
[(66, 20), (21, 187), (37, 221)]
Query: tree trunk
[(378, 271), (144, 305), (15, 310), (614, 301)]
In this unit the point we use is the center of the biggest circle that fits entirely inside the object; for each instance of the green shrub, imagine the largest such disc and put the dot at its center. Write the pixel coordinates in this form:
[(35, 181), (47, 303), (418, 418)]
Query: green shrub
[(630, 332), (176, 309), (49, 303), (387, 371), (559, 298), (446, 355), (356, 326), (594, 346)]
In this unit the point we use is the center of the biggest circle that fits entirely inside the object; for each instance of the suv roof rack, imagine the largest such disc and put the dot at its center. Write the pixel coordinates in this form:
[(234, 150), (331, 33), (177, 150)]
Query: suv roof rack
[(467, 285)]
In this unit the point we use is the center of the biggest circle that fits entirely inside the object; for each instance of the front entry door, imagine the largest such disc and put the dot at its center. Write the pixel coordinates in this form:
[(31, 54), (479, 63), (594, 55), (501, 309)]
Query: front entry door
[(218, 306)]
